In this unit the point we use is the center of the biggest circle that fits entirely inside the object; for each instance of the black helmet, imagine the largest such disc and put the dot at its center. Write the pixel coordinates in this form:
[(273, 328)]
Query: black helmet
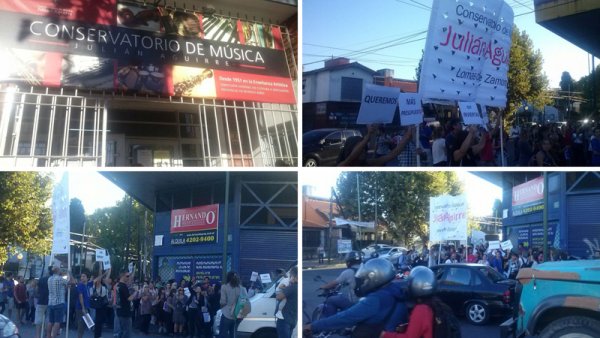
[(353, 258), (422, 282), (372, 275)]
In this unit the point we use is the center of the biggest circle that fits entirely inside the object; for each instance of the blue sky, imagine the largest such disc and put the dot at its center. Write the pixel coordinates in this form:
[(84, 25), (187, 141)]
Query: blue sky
[(338, 27), (480, 193)]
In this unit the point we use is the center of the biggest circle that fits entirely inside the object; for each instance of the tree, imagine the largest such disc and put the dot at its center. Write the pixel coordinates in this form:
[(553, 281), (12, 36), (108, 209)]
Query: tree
[(526, 81), (77, 215), (586, 86), (402, 199), (25, 218), (111, 227)]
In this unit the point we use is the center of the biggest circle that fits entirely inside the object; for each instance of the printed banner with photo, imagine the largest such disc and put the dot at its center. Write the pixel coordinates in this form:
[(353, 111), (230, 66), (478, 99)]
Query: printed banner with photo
[(141, 48), (467, 52)]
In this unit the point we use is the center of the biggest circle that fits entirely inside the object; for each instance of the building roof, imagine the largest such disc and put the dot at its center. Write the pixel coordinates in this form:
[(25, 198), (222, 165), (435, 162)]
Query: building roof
[(340, 67), (315, 212)]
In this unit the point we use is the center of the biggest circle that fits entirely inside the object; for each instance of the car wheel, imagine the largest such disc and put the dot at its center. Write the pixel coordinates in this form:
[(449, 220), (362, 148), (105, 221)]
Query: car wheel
[(477, 313), (311, 162), (572, 326), (265, 333)]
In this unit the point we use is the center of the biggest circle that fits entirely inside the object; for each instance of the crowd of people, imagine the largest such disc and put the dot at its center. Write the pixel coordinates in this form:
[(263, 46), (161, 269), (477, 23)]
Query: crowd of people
[(453, 144), (184, 308)]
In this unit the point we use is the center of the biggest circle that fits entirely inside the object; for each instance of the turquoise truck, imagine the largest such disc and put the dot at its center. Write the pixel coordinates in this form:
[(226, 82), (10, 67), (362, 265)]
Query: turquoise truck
[(557, 299)]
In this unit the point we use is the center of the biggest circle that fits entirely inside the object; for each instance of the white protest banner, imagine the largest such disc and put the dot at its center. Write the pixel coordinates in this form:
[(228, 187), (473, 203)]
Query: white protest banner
[(100, 253), (107, 262), (467, 51), (506, 245), (378, 104), (254, 276), (61, 217), (493, 245), (470, 113), (448, 218), (265, 278), (344, 245), (411, 111), (485, 116), (477, 237)]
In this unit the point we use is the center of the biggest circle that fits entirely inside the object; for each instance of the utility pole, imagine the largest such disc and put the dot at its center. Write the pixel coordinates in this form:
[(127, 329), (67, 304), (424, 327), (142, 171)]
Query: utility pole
[(545, 216), (330, 227), (359, 214)]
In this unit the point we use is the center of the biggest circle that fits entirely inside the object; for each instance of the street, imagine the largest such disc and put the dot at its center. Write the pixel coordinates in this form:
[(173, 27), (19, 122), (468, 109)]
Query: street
[(311, 299)]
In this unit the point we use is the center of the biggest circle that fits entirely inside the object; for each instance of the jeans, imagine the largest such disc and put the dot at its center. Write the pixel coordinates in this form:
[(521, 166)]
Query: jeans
[(335, 304), (284, 329), (124, 327), (116, 325), (227, 327)]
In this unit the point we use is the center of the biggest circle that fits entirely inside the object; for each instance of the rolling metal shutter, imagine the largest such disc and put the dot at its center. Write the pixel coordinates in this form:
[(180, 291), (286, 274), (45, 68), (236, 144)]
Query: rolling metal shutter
[(583, 221), (264, 251)]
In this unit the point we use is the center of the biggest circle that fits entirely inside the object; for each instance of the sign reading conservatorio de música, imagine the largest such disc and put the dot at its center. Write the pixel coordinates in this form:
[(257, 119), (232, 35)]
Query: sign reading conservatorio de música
[(144, 49)]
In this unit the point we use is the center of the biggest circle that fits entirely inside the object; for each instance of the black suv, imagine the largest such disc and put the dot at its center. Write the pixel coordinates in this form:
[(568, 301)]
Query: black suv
[(476, 290), (321, 147)]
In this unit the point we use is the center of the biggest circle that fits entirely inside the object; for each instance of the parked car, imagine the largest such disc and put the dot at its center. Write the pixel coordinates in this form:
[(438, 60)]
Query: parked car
[(321, 147), (557, 299), (393, 253), (260, 322), (8, 329), (475, 290), (374, 247)]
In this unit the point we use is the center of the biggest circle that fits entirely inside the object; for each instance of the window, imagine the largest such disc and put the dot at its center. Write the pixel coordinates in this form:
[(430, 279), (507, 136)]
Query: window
[(457, 276), (334, 138), (351, 89)]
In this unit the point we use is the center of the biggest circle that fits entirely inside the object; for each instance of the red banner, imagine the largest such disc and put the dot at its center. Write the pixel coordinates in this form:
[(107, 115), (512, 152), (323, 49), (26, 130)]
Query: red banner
[(90, 11), (528, 192), (195, 219)]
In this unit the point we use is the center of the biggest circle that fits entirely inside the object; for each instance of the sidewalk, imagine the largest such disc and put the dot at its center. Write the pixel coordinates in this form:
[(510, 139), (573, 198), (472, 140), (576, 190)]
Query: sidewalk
[(313, 264), (28, 331)]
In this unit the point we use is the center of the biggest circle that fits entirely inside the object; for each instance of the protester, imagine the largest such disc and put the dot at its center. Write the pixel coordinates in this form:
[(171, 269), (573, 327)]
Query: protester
[(230, 292), (123, 305), (146, 300), (20, 299), (57, 288), (286, 325), (354, 152)]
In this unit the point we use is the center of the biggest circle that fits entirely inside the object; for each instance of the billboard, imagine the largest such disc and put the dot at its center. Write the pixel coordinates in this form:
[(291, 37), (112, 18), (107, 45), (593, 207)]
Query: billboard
[(528, 197), (196, 225), (143, 49), (184, 267)]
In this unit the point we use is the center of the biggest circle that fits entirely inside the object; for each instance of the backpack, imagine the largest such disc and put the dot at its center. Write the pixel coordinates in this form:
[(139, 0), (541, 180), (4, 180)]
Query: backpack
[(445, 323)]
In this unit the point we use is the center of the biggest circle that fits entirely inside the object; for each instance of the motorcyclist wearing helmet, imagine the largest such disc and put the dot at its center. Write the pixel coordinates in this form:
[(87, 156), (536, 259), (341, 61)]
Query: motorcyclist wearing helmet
[(347, 297), (382, 306), (421, 287)]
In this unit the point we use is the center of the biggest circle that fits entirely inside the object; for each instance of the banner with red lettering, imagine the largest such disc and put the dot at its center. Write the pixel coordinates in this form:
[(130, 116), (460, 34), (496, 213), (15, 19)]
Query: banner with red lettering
[(448, 218), (528, 197), (467, 52)]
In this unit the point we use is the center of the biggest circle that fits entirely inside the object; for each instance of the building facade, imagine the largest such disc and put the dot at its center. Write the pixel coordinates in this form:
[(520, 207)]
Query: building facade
[(127, 83)]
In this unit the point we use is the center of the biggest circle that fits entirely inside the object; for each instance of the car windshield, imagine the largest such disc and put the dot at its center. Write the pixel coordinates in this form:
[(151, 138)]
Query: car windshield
[(492, 274), (314, 136)]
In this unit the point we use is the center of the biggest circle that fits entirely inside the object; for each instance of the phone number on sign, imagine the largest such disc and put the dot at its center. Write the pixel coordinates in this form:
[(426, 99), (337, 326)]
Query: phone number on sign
[(193, 239)]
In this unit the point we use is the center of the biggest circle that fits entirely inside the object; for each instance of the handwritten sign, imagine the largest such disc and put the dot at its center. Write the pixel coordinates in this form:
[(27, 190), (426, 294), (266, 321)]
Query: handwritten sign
[(470, 113), (378, 104), (411, 111), (448, 218), (506, 245)]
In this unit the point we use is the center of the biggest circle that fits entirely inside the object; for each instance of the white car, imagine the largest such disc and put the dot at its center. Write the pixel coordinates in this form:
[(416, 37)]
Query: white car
[(392, 253), (260, 322), (374, 248)]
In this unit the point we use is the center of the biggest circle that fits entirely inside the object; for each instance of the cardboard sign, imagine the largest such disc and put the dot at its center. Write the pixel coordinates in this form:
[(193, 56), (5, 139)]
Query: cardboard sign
[(100, 253), (107, 262), (254, 276), (378, 104), (506, 245), (411, 111), (265, 278), (448, 218), (467, 52), (494, 245), (470, 113)]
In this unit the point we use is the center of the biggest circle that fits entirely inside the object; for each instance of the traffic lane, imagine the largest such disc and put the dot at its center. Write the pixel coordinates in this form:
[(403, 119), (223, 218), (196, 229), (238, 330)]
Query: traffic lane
[(311, 300)]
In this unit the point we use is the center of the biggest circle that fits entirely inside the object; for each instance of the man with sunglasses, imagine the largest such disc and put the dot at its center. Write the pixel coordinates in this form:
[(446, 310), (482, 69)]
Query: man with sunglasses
[(123, 304)]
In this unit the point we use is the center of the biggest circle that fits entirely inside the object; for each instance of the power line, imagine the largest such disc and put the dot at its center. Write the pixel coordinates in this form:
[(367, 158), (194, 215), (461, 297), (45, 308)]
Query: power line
[(350, 50)]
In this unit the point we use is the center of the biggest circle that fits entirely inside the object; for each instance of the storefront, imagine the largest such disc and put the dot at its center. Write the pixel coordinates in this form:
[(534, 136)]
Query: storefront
[(126, 83), (191, 230), (573, 213)]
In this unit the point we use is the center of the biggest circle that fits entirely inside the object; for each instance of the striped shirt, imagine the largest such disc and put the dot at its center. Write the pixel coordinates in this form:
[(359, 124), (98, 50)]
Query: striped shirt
[(57, 287)]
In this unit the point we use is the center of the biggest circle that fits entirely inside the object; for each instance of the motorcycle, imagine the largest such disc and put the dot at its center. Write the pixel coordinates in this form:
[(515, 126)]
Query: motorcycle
[(318, 312)]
